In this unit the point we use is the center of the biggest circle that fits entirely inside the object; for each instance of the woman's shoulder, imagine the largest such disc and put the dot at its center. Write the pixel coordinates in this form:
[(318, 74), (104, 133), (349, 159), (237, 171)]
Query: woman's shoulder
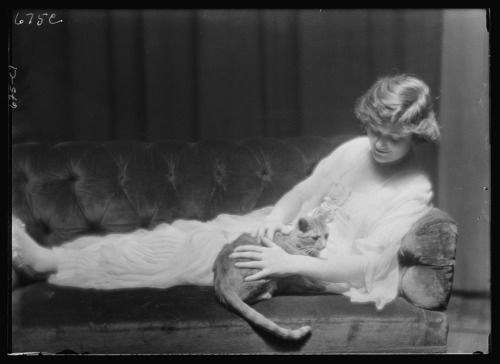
[(356, 143), (353, 147), (343, 156)]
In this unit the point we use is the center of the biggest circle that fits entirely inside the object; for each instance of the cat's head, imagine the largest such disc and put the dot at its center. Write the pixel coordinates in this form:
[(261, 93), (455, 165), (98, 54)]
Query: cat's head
[(311, 234)]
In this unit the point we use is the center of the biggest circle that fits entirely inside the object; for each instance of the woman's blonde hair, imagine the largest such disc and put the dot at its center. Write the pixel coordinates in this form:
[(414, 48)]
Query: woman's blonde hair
[(402, 102)]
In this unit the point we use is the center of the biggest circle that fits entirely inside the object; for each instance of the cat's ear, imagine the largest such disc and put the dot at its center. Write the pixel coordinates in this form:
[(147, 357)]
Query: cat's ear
[(303, 225)]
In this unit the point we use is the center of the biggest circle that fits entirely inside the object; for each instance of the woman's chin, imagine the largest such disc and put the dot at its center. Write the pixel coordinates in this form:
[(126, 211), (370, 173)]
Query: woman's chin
[(382, 158)]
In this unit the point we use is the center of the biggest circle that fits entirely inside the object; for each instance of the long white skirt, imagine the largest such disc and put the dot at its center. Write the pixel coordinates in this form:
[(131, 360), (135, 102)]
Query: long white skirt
[(172, 254)]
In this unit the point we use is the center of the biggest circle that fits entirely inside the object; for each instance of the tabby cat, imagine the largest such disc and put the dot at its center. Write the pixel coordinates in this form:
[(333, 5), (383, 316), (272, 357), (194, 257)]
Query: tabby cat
[(308, 237)]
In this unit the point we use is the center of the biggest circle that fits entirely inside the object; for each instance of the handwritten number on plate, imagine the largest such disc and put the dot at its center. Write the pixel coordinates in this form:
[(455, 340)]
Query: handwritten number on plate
[(20, 21)]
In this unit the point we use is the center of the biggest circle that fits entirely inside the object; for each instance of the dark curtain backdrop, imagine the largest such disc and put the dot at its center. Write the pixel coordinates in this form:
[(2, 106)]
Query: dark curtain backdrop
[(211, 74), (198, 74)]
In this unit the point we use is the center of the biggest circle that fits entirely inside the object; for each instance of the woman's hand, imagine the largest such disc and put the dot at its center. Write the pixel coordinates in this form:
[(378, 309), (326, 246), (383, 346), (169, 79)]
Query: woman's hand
[(270, 259), (268, 229)]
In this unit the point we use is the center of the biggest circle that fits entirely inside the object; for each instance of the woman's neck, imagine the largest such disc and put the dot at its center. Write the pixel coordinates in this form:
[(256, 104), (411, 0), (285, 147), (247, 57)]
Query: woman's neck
[(369, 174)]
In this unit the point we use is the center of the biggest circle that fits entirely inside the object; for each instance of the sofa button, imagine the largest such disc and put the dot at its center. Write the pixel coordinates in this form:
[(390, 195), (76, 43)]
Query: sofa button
[(171, 178), (218, 177), (265, 175)]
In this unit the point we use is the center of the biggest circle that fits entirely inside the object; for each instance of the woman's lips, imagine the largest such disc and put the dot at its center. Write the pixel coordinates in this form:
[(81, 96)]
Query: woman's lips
[(381, 151)]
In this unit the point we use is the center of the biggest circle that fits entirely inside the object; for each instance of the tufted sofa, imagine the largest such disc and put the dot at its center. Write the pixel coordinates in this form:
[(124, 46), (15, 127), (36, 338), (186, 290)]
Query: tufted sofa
[(66, 190)]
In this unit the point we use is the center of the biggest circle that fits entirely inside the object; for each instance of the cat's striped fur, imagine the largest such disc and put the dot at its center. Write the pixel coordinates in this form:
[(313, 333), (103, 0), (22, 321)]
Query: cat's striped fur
[(307, 238)]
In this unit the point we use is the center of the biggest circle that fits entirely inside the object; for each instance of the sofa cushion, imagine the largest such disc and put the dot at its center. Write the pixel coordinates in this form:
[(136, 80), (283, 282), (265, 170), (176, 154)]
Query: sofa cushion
[(427, 260), (188, 319), (427, 286)]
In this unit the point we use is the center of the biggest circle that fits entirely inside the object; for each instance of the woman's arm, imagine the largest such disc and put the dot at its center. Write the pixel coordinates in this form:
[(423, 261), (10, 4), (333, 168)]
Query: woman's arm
[(337, 269), (289, 206), (273, 261), (283, 212), (286, 209)]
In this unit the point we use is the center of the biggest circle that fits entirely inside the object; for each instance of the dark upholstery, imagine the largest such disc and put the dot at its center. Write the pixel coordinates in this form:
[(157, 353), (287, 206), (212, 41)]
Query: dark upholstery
[(427, 259), (189, 319), (66, 190), (71, 189)]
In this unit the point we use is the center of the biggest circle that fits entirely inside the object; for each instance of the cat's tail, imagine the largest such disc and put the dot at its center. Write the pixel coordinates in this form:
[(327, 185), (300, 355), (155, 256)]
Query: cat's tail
[(259, 320)]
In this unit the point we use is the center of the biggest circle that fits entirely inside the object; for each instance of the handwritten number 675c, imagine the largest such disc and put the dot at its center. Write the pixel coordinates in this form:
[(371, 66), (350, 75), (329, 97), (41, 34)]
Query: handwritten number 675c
[(39, 19)]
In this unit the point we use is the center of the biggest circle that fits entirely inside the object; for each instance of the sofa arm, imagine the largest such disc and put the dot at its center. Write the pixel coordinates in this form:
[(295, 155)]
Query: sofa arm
[(427, 261)]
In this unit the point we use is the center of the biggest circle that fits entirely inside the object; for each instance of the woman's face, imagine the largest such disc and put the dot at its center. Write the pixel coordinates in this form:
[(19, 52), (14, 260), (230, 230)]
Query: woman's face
[(388, 146)]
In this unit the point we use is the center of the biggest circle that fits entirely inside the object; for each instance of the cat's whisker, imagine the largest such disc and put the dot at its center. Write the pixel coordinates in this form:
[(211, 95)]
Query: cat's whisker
[(309, 250)]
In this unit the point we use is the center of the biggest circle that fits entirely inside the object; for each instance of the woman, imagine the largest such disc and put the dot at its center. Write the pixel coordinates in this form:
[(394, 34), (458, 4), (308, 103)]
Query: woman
[(371, 187)]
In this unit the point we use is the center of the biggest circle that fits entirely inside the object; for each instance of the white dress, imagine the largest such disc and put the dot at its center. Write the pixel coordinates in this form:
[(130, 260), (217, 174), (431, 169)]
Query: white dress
[(369, 225)]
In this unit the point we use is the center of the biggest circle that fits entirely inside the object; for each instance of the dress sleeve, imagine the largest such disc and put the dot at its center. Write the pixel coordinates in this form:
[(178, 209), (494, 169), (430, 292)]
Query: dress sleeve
[(313, 188), (382, 238)]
